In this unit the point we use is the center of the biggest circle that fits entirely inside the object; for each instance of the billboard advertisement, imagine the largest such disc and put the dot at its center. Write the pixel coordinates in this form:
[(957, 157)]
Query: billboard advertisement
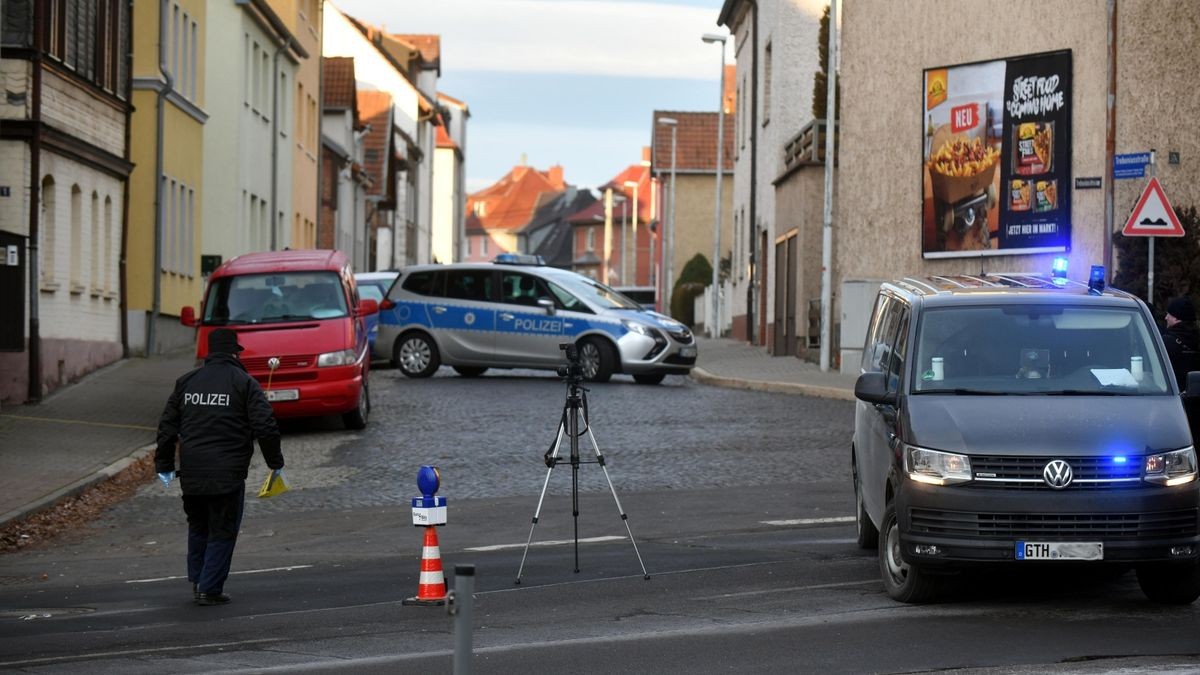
[(996, 171)]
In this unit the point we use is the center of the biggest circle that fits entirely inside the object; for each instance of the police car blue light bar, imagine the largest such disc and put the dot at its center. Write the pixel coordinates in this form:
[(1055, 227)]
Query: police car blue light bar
[(1096, 280), (519, 259)]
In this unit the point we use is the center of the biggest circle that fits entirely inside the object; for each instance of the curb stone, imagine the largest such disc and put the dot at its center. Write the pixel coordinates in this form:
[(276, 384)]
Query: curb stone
[(704, 377)]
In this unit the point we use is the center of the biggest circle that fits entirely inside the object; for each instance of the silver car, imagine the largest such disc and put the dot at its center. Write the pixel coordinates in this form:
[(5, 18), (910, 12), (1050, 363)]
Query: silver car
[(483, 315)]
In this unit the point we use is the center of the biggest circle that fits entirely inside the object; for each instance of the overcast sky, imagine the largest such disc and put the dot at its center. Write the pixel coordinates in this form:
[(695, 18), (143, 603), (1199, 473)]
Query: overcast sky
[(571, 82)]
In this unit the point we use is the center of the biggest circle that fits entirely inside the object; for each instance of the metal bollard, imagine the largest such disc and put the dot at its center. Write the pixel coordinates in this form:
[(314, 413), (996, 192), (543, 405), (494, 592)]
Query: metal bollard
[(460, 605)]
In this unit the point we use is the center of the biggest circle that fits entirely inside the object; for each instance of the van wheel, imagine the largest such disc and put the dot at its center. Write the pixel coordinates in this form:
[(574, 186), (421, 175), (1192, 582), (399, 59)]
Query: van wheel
[(357, 419), (598, 359), (868, 536), (1170, 584), (902, 581), (649, 379), (416, 355), (470, 371)]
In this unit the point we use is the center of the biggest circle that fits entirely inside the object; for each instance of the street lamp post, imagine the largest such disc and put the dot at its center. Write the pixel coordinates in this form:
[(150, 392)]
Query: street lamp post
[(715, 323), (633, 184), (624, 238), (668, 248)]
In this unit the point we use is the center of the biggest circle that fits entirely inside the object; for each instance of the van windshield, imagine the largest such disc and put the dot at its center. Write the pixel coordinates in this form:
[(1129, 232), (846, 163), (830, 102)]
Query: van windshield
[(269, 298), (1037, 349)]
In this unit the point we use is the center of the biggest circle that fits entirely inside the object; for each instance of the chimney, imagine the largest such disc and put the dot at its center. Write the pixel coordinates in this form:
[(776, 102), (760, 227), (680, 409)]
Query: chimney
[(645, 155), (730, 89), (523, 159), (555, 176)]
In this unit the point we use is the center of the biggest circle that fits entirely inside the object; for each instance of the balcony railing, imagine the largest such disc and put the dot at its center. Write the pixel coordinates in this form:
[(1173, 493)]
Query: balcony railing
[(807, 147)]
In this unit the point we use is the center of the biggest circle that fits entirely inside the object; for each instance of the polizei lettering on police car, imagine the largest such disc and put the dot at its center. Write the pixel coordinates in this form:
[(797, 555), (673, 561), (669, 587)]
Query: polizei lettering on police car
[(206, 399), (538, 325)]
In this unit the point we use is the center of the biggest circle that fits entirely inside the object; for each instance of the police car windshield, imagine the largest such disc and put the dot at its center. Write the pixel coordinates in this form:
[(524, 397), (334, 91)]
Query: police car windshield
[(269, 298), (596, 293), (1036, 349)]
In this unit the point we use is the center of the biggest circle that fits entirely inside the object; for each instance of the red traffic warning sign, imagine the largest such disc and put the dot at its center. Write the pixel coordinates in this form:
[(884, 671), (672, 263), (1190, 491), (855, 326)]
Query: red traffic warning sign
[(1153, 215)]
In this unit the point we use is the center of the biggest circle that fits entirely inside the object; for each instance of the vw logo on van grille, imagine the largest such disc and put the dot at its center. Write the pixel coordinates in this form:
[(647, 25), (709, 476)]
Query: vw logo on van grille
[(1057, 474)]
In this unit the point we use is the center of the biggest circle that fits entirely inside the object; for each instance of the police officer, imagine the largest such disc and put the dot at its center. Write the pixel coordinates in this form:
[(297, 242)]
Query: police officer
[(1182, 338), (214, 415)]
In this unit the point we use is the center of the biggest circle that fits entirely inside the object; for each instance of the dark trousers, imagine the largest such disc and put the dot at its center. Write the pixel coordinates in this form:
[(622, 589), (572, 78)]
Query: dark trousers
[(213, 525)]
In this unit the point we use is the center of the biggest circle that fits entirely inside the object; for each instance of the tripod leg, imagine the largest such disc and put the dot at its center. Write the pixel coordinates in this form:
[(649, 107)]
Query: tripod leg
[(538, 512), (620, 509)]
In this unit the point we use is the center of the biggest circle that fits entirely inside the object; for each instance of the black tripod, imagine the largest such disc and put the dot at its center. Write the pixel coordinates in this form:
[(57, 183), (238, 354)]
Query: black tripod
[(575, 406)]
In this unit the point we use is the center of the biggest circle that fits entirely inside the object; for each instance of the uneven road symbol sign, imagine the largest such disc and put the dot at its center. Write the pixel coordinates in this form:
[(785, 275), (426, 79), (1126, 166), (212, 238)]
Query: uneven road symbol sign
[(1153, 215)]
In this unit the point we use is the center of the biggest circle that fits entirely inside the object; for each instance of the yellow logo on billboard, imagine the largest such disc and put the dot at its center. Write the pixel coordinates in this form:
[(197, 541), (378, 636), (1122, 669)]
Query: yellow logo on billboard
[(935, 88)]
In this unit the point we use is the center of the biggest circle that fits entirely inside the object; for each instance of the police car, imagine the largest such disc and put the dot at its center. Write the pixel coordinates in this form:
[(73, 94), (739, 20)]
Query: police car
[(475, 316)]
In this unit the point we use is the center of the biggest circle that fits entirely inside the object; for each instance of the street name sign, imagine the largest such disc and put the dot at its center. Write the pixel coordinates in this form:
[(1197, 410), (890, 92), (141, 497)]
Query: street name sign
[(1153, 215), (1132, 165)]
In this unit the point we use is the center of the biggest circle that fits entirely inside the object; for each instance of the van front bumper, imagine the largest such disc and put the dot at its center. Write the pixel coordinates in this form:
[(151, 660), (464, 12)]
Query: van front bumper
[(334, 391), (983, 525)]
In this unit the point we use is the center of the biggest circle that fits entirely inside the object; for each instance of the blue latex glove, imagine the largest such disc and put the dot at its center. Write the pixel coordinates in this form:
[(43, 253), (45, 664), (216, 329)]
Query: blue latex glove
[(166, 478)]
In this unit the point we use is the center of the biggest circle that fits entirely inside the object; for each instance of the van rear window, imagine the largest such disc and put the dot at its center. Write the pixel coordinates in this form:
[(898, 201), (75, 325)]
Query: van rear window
[(270, 298)]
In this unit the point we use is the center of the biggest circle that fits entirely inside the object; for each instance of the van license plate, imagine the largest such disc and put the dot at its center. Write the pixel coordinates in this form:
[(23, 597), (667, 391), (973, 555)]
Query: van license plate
[(1060, 550), (687, 352), (283, 394)]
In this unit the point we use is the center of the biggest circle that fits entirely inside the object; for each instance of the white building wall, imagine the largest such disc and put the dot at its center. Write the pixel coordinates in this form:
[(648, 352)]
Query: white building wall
[(72, 109), (445, 177)]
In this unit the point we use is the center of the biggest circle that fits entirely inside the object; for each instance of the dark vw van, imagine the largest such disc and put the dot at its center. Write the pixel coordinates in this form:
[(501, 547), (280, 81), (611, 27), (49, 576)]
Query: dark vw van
[(1025, 421)]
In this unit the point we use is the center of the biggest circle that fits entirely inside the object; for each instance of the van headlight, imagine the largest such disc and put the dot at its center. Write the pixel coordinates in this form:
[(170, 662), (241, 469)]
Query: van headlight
[(936, 468), (346, 357), (1172, 468), (639, 328)]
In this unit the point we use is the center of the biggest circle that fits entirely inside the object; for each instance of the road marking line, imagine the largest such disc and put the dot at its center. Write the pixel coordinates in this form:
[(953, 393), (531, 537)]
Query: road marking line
[(809, 521), (133, 652), (64, 421), (269, 569), (559, 542), (812, 587)]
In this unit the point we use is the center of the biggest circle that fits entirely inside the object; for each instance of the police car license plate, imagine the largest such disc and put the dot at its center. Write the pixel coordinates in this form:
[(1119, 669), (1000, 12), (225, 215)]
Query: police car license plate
[(687, 352), (1060, 550), (283, 394)]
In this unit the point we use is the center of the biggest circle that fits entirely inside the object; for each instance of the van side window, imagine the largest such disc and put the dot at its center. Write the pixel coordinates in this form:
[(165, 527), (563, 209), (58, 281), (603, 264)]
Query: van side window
[(469, 285), (895, 364), (420, 283), (879, 336)]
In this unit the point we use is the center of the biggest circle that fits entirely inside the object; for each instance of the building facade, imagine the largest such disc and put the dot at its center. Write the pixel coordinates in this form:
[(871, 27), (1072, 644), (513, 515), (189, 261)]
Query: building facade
[(450, 181), (64, 157)]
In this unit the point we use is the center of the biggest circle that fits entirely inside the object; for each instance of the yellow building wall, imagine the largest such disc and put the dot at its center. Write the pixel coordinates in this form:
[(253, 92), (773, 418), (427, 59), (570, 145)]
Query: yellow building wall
[(303, 19), (182, 160)]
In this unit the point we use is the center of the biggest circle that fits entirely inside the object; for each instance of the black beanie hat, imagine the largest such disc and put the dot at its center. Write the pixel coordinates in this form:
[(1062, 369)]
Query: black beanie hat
[(1182, 308), (223, 341)]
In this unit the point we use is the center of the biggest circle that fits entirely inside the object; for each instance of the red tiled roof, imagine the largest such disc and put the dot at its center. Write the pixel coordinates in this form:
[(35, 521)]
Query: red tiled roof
[(376, 107), (443, 138), (641, 175), (696, 147), (429, 46), (338, 75), (510, 202)]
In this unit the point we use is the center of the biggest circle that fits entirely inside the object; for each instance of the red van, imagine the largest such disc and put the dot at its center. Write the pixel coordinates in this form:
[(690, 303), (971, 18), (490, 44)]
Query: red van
[(299, 317)]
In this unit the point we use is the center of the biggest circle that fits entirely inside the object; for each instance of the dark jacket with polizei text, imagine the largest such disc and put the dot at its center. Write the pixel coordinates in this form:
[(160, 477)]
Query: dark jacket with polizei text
[(215, 413)]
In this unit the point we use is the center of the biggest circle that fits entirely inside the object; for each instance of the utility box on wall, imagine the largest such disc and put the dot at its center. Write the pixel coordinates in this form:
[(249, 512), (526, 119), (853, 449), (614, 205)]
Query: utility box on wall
[(858, 300)]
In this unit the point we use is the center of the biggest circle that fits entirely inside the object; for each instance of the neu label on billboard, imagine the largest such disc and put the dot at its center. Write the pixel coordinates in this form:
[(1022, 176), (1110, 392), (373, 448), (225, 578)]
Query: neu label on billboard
[(996, 174)]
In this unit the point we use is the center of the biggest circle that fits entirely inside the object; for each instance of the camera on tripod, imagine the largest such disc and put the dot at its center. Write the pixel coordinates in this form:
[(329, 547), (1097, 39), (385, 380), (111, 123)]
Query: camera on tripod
[(573, 370)]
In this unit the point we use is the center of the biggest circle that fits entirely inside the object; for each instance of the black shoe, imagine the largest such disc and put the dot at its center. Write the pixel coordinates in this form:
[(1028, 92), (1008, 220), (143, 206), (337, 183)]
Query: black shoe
[(195, 592), (209, 599)]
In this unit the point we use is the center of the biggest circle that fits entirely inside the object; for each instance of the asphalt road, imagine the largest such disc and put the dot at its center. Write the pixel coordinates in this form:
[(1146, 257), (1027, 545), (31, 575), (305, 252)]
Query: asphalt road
[(739, 503)]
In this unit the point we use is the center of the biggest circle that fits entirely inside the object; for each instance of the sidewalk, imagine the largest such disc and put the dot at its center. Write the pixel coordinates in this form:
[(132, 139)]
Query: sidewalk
[(83, 433), (729, 363)]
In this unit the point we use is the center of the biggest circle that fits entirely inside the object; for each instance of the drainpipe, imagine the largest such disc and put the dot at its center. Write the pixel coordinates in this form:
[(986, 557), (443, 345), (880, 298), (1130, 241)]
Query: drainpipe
[(750, 313), (35, 185), (123, 307), (165, 88), (1110, 139)]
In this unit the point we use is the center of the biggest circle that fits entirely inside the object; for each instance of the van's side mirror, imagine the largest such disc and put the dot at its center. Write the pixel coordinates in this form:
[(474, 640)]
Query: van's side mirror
[(1193, 385), (546, 304), (187, 316), (367, 307), (872, 388)]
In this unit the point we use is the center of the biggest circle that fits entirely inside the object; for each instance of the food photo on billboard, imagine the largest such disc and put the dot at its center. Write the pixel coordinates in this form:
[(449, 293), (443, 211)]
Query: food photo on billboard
[(990, 181)]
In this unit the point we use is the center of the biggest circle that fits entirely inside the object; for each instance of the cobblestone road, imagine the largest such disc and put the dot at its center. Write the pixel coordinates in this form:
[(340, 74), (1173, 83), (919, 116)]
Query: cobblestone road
[(487, 437)]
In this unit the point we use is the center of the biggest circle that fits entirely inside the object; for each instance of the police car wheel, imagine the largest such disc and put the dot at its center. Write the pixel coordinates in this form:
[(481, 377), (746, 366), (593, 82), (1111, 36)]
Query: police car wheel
[(649, 379), (416, 355), (598, 359)]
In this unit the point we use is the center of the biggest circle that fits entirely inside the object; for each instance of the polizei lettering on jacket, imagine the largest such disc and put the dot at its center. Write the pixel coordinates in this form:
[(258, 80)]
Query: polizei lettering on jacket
[(206, 399), (538, 325)]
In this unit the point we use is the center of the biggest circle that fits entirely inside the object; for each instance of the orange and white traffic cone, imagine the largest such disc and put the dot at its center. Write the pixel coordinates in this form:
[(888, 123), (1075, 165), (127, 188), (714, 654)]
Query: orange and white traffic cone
[(431, 590)]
